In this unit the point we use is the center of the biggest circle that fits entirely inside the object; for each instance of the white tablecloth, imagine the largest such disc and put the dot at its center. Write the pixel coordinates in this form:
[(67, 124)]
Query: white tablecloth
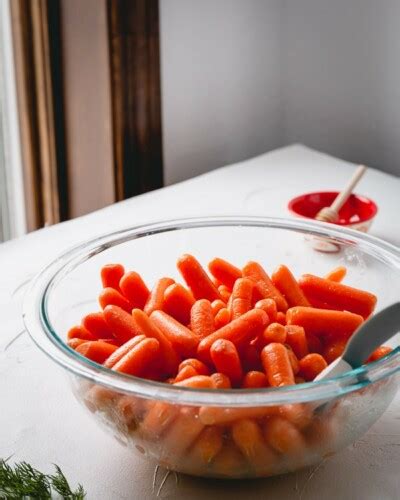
[(41, 422)]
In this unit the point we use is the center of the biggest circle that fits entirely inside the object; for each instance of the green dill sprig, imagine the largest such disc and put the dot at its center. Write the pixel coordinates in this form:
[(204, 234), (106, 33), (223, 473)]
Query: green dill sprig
[(23, 481)]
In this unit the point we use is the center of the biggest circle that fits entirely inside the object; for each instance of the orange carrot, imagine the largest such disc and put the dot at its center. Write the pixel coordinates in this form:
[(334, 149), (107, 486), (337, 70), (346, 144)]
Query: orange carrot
[(224, 272), (111, 275), (296, 338), (200, 367), (182, 434), (226, 360), (283, 436), (96, 351), (250, 356), (254, 380), (294, 362), (299, 414), (286, 283), (178, 302), (73, 343), (224, 292), (80, 332), (269, 306), (277, 367), (311, 365), (182, 339), (122, 351), (281, 318), (213, 415), (337, 274), (263, 284), (185, 372), (217, 305), (96, 325), (168, 355), (379, 353), (155, 301), (111, 297), (241, 297), (221, 381), (207, 445), (314, 344), (201, 318), (197, 279), (222, 318), (197, 382), (322, 322), (237, 331), (299, 380), (229, 462), (137, 359), (134, 289), (120, 323), (159, 417), (337, 295), (275, 332), (332, 350)]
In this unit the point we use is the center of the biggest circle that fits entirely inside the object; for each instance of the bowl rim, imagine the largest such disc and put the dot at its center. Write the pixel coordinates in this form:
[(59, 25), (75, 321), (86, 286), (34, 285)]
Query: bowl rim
[(40, 329), (294, 212)]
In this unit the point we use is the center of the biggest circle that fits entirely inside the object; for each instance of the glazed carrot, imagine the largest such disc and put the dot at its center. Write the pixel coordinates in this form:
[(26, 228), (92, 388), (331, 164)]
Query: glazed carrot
[(122, 351), (80, 332), (229, 462), (222, 318), (121, 323), (322, 322), (241, 297), (197, 279), (283, 436), (337, 274), (277, 367), (254, 380), (224, 292), (207, 445), (250, 356), (96, 351), (332, 350), (168, 355), (379, 353), (197, 382), (286, 283), (275, 332), (314, 344), (263, 284), (137, 359), (237, 331), (296, 338), (202, 318), (311, 365), (182, 434), (340, 296), (212, 415), (178, 302), (96, 324), (200, 367), (221, 381), (224, 271), (226, 360), (111, 297), (111, 275), (217, 305), (269, 306), (155, 301), (182, 339), (281, 318), (73, 343), (134, 289), (185, 372), (158, 418), (294, 362)]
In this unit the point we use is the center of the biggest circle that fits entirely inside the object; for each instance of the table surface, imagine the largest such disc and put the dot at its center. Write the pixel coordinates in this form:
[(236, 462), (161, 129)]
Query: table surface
[(40, 420)]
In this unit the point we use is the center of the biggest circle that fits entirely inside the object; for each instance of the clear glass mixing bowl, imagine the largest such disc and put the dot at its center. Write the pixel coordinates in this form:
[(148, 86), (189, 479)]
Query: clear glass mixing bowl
[(225, 433)]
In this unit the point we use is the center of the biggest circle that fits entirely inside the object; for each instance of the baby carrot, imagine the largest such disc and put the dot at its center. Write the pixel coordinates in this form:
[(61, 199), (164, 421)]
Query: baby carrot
[(73, 343), (155, 301), (250, 356), (299, 414), (207, 445), (182, 339), (314, 343), (283, 436), (226, 360), (275, 332), (337, 274), (224, 271), (129, 410), (229, 462), (111, 275), (122, 350), (197, 382), (213, 415), (311, 365), (96, 324), (286, 283), (263, 284), (340, 296), (201, 318), (158, 418), (217, 305), (254, 380), (137, 359), (200, 367), (241, 297), (96, 351), (269, 306), (281, 318), (121, 323), (379, 353), (182, 434), (111, 297), (332, 350), (197, 279), (294, 362), (220, 381), (237, 331), (296, 338), (322, 322), (80, 332), (185, 372), (277, 367), (178, 302), (168, 355), (222, 318), (225, 293), (134, 289)]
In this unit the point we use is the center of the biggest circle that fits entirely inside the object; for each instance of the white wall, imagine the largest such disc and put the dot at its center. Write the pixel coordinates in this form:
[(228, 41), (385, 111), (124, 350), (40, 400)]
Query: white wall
[(220, 66)]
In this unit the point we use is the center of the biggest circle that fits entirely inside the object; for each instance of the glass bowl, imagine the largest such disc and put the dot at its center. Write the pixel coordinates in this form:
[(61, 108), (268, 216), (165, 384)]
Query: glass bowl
[(224, 433)]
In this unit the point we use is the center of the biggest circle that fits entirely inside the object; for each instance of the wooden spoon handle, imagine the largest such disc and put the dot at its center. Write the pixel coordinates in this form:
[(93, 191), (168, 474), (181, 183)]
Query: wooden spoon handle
[(346, 192)]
